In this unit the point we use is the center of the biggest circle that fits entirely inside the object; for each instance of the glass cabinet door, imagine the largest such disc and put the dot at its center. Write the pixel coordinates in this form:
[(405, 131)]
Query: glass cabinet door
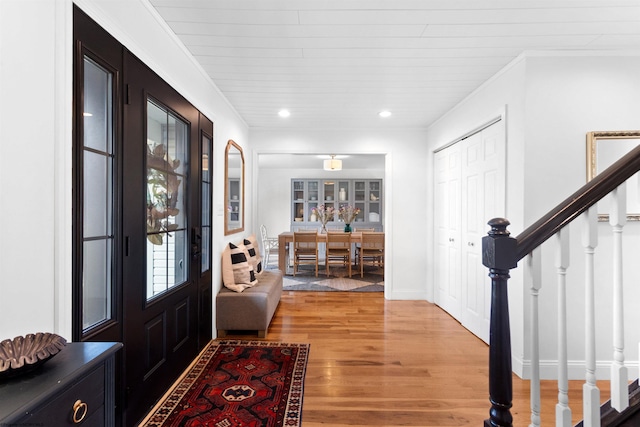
[(329, 191), (359, 191), (314, 190), (306, 197), (374, 201), (297, 213), (313, 196), (343, 192), (298, 190)]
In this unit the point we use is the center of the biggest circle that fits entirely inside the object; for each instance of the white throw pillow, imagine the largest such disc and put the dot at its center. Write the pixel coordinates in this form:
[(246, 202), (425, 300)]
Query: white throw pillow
[(237, 273)]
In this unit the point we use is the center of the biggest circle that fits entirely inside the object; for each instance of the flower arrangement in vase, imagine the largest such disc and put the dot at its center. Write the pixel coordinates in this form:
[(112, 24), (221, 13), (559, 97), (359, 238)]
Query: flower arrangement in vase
[(324, 215), (348, 214)]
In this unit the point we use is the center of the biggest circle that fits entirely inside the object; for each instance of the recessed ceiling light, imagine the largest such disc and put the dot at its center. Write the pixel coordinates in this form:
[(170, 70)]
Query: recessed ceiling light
[(284, 113), (384, 113)]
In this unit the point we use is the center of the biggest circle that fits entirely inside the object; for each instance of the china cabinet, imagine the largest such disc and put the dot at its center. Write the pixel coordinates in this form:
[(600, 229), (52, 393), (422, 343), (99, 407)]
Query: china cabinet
[(365, 194)]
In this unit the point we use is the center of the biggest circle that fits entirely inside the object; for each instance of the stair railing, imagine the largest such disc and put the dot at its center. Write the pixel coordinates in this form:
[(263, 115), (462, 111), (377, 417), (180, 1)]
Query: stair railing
[(501, 253)]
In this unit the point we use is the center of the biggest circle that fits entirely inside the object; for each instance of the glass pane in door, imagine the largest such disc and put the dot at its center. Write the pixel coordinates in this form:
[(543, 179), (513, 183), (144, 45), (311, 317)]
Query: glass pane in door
[(96, 201), (97, 194), (205, 213), (96, 300), (167, 159)]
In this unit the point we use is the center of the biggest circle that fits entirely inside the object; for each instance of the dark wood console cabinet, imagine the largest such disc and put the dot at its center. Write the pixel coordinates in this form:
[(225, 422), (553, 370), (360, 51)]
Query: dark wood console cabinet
[(76, 387)]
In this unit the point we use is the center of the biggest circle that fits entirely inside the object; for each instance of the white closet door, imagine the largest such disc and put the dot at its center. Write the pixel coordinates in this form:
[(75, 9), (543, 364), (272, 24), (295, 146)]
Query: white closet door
[(447, 230), (469, 191), (483, 198)]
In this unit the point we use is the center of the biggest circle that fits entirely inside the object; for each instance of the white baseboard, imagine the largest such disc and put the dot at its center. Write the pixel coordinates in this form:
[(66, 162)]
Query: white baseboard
[(576, 369)]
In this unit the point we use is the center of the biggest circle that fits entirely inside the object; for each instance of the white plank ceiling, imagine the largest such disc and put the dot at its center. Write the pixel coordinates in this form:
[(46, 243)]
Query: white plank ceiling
[(337, 63)]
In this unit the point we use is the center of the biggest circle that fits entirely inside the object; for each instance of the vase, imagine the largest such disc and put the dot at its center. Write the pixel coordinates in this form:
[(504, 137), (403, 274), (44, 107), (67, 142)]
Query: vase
[(324, 229), (347, 228)]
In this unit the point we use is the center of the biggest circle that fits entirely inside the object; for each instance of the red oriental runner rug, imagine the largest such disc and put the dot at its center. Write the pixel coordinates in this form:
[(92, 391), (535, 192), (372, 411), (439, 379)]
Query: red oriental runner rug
[(237, 383)]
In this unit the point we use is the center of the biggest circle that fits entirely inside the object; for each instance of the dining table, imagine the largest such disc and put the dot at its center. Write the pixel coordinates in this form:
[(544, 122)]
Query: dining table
[(286, 237)]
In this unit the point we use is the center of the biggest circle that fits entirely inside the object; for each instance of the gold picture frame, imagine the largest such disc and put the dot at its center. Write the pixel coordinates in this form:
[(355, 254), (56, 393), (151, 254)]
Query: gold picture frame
[(233, 188), (600, 156)]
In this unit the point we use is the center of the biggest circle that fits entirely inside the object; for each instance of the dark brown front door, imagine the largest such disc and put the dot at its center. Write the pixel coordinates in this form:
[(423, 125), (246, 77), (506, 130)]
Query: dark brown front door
[(142, 218), (162, 233)]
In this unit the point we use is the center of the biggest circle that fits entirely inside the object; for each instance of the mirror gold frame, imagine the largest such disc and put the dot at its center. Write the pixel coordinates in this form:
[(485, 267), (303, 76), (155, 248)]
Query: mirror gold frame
[(233, 188), (618, 144)]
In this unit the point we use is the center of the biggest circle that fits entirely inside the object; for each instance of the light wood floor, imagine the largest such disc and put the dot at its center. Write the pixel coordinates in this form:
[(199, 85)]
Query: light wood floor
[(375, 362)]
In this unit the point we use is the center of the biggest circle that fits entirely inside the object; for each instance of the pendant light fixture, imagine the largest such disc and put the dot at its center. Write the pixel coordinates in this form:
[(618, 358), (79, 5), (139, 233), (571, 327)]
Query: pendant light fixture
[(333, 164)]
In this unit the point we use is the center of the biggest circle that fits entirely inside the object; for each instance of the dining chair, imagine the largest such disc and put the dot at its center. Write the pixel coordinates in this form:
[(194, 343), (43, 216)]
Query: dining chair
[(357, 245), (268, 244), (371, 250), (338, 250), (305, 249)]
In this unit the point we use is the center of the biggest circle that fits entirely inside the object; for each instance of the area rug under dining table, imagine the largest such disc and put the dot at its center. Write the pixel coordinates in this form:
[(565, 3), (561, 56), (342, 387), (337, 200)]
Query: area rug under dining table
[(338, 280), (237, 383)]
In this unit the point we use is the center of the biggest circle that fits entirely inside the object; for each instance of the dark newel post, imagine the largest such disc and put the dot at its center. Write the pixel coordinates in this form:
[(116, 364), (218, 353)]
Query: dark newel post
[(499, 254)]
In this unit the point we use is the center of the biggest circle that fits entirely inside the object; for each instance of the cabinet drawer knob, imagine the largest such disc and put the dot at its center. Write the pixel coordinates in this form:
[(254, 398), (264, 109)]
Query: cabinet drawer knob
[(79, 411)]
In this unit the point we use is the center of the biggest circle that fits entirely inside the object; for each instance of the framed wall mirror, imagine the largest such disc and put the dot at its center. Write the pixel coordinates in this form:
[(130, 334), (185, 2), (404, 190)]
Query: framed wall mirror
[(234, 188), (605, 148)]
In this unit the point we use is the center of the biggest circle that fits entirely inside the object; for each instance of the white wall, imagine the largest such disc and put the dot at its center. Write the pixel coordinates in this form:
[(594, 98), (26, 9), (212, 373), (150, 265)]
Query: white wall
[(30, 128), (566, 98), (405, 178), (35, 152), (552, 101)]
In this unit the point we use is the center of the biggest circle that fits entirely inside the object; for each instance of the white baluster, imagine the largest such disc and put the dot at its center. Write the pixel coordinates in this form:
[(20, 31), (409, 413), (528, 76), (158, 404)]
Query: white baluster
[(563, 412), (590, 391), (619, 377), (535, 276)]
